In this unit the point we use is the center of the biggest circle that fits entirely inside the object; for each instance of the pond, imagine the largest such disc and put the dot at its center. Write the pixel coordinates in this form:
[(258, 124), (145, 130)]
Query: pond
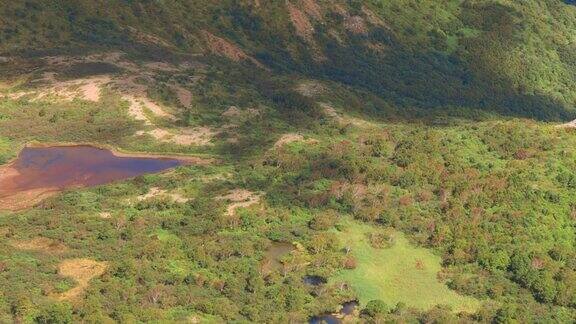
[(273, 256), (314, 280), (348, 309), (41, 171)]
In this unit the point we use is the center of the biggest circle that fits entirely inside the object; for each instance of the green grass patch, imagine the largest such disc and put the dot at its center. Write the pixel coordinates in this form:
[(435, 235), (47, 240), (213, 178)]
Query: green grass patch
[(399, 274)]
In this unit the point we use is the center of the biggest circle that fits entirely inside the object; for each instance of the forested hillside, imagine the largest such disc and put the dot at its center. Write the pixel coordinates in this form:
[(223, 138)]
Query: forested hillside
[(412, 156), (516, 58)]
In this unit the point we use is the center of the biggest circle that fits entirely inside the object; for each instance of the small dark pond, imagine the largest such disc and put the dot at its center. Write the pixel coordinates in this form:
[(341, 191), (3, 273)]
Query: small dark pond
[(348, 308), (74, 166), (314, 280)]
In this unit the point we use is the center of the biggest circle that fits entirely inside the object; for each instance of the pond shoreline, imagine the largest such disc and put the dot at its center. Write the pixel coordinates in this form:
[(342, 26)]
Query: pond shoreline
[(16, 192), (188, 159)]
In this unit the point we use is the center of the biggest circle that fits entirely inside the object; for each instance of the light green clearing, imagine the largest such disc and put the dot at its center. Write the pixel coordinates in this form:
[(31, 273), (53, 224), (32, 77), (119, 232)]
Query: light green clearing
[(392, 275)]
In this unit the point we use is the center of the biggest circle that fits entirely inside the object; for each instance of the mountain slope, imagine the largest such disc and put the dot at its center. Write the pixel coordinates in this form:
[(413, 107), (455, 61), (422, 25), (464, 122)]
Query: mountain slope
[(421, 54)]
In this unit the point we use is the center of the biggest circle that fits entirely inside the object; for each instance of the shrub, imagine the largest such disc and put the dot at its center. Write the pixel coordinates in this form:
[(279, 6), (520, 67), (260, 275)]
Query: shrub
[(55, 314), (376, 307)]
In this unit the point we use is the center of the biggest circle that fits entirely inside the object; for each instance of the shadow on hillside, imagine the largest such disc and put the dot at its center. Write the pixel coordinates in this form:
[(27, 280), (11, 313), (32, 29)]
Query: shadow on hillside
[(428, 80)]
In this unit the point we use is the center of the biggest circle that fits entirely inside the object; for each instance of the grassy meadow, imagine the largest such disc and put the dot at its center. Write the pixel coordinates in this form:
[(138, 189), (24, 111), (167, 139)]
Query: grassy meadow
[(401, 273)]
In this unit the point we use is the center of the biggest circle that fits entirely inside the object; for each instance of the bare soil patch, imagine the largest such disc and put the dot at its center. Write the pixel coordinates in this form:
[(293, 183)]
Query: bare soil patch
[(82, 88), (343, 120), (571, 124), (273, 257), (82, 271)]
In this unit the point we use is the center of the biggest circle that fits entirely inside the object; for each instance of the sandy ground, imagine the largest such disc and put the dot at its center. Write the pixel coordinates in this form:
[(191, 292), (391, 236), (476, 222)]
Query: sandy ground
[(84, 88), (82, 271), (132, 86)]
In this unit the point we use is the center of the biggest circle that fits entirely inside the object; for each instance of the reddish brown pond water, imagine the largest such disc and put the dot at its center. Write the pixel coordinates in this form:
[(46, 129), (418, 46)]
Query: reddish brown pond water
[(40, 171)]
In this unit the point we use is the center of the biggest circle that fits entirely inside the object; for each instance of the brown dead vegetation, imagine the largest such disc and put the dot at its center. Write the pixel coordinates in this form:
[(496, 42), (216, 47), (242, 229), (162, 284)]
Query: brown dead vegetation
[(290, 138), (222, 47), (146, 38), (184, 96), (304, 29), (355, 25), (82, 271), (313, 9), (311, 88), (40, 244), (300, 22), (240, 198), (157, 192), (199, 136)]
